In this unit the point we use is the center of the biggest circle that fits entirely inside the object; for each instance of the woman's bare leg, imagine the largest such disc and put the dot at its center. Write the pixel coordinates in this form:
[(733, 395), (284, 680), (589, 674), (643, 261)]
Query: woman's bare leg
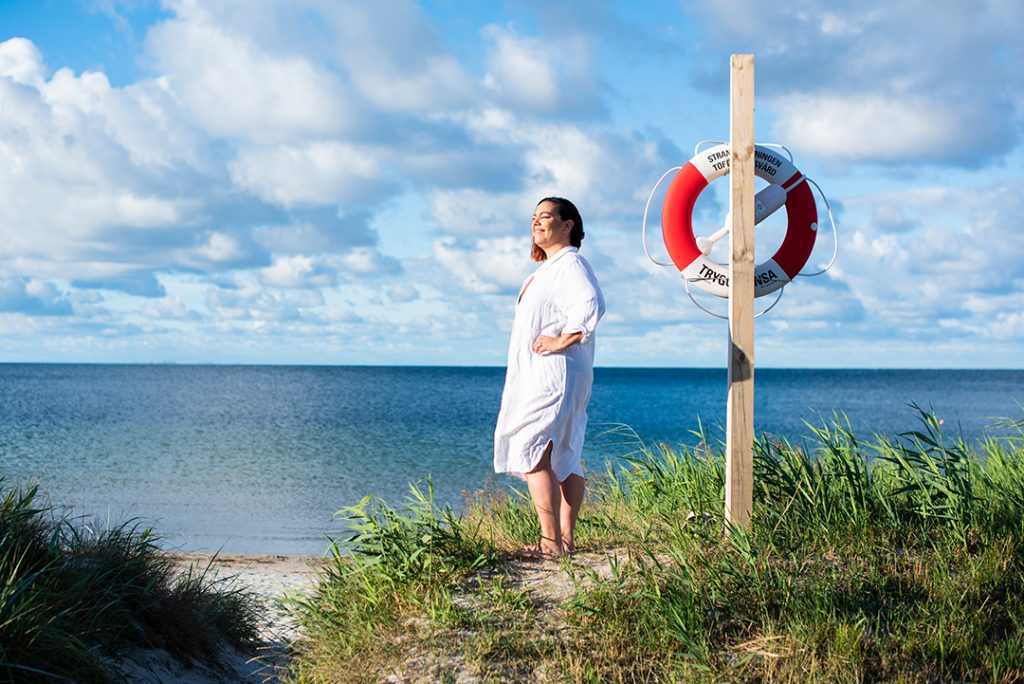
[(572, 490), (547, 498)]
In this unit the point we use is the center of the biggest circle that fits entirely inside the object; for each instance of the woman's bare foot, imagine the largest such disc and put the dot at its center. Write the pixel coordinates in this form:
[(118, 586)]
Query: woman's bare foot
[(568, 545), (542, 550)]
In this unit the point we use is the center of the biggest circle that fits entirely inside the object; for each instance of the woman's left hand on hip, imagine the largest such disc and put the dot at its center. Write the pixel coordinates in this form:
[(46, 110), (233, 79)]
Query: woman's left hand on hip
[(545, 345)]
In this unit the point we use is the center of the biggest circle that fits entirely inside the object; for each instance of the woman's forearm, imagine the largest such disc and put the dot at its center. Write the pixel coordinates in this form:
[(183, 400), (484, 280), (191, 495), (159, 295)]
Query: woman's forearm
[(543, 343)]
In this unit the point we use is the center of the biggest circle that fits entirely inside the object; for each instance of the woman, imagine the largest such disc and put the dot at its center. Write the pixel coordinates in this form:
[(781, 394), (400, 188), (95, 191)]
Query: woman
[(543, 417)]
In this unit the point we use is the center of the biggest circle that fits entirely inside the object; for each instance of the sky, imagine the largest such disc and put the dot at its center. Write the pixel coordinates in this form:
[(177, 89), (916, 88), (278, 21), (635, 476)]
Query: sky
[(324, 182)]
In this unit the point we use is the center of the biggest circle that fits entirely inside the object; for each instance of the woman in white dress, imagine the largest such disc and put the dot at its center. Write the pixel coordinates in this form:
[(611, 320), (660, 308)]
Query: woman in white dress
[(543, 417)]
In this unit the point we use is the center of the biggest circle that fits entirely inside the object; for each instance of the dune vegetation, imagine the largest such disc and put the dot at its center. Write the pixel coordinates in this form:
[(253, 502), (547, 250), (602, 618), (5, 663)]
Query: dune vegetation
[(892, 558), (75, 596)]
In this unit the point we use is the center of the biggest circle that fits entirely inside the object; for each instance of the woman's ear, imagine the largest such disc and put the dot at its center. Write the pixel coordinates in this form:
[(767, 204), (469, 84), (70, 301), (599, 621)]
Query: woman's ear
[(570, 223)]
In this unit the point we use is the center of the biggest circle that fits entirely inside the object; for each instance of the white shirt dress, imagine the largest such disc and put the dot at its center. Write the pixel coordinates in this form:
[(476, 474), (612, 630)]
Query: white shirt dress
[(546, 395)]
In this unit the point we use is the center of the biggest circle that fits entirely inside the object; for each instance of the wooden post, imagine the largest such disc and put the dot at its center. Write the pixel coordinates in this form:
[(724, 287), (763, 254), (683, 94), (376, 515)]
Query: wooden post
[(739, 444)]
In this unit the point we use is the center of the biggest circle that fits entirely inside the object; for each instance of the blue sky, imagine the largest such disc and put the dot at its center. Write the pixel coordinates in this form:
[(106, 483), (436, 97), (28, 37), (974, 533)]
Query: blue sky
[(307, 181)]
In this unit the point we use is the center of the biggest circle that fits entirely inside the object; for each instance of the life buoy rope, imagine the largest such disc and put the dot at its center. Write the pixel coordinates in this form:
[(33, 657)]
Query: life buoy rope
[(796, 195)]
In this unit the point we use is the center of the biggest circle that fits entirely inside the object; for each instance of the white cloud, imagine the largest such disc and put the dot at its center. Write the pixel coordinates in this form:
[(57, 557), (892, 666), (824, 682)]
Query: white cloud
[(395, 56), (548, 74), (469, 211), (296, 271), (402, 293), (368, 261), (235, 89), (486, 266), (221, 248), (168, 308), (880, 81), (240, 187), (607, 172), (875, 127), (33, 296), (321, 172), (21, 61), (956, 267), (520, 73), (298, 237), (252, 303), (83, 166)]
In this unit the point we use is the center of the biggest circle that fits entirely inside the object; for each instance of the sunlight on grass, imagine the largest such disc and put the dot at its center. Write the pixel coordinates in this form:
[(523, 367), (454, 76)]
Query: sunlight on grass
[(895, 558)]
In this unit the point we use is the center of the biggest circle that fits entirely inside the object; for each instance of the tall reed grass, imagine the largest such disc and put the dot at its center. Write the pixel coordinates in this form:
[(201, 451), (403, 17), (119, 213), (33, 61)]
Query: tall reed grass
[(73, 595), (896, 558)]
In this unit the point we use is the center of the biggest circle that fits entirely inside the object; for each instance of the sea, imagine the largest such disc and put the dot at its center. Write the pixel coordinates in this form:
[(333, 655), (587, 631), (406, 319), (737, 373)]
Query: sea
[(260, 459)]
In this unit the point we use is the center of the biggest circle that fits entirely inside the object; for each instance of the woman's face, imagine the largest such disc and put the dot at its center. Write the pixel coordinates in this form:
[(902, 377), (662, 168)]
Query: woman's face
[(548, 227)]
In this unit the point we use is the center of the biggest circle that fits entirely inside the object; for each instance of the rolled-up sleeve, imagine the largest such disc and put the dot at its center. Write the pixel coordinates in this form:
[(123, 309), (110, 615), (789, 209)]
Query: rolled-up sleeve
[(583, 303)]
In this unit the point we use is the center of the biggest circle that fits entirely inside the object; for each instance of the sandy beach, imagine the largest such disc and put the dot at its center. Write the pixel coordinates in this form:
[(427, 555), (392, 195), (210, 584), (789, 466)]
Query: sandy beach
[(271, 577)]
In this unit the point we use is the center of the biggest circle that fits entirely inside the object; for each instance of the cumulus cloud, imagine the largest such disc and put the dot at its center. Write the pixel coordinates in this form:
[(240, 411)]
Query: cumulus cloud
[(880, 81), (957, 269), (232, 87), (239, 186), (321, 172), (521, 73), (21, 61), (485, 266), (542, 74), (403, 293), (296, 271), (80, 184), (395, 57), (253, 303), (368, 261), (878, 127), (169, 308), (609, 172), (31, 296)]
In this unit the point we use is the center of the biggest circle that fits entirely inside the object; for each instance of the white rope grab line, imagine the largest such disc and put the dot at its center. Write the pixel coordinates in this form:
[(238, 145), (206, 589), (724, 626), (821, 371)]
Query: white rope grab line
[(686, 285), (647, 208), (835, 234)]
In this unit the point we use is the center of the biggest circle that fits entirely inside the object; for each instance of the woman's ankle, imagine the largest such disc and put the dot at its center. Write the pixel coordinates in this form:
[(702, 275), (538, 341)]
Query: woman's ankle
[(550, 544)]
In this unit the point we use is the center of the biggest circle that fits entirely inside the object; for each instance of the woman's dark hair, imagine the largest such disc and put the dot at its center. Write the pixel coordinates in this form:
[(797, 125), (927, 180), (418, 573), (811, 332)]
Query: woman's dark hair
[(567, 211)]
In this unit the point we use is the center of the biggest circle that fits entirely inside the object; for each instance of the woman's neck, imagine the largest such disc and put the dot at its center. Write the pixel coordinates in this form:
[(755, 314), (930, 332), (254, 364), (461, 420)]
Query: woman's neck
[(554, 249)]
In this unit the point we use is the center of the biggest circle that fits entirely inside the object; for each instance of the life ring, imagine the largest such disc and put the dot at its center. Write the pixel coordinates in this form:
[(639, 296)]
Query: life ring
[(677, 220)]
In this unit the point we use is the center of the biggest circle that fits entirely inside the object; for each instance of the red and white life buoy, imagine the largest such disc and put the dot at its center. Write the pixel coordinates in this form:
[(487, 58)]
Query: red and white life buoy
[(788, 186)]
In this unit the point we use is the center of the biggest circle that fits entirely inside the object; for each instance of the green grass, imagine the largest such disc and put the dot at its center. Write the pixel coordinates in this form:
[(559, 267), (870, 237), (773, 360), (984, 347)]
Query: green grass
[(891, 558), (71, 595), (397, 564)]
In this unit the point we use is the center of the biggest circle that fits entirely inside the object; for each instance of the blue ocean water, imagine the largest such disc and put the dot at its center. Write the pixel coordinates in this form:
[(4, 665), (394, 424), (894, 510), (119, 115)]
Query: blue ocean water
[(258, 459)]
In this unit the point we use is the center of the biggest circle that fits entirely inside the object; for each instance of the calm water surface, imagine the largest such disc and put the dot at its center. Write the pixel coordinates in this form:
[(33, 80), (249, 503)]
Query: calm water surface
[(251, 458)]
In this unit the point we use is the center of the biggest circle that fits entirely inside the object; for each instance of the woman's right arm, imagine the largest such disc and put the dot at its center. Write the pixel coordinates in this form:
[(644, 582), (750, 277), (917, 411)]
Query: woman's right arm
[(581, 301)]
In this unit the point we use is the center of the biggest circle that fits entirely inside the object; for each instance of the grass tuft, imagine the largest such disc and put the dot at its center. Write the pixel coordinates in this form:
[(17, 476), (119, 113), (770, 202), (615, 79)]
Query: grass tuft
[(72, 594), (394, 572)]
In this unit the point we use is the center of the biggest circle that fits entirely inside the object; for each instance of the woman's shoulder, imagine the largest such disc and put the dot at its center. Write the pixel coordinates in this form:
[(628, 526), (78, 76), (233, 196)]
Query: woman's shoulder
[(575, 260), (567, 258), (576, 267)]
